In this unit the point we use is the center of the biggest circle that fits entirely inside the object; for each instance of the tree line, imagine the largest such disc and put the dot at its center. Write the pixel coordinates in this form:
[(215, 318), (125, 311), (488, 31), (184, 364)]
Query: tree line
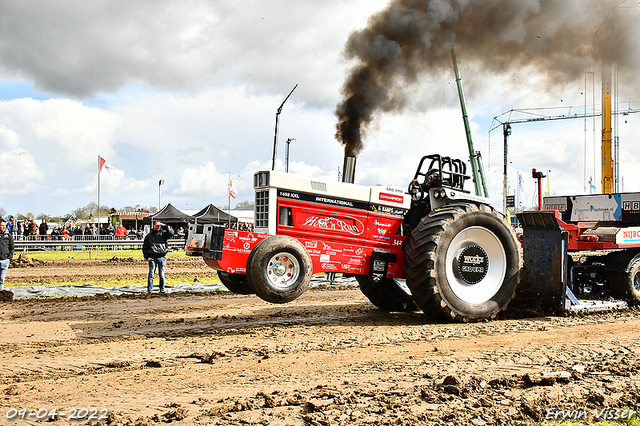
[(82, 213), (91, 210)]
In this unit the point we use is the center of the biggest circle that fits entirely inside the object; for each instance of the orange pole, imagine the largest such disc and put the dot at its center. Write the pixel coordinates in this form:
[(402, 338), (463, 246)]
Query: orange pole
[(607, 157)]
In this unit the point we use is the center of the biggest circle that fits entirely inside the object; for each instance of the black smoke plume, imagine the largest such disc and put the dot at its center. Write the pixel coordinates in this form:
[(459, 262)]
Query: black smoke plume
[(409, 37)]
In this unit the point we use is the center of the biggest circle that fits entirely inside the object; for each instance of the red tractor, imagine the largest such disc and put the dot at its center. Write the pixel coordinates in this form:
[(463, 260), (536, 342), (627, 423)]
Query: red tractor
[(438, 247)]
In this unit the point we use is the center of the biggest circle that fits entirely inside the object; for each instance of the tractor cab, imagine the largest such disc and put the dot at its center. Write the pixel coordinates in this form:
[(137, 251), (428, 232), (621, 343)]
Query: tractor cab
[(437, 180)]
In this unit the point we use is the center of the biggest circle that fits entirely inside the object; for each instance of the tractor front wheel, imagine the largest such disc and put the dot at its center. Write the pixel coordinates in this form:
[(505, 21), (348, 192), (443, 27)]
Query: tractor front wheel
[(279, 269)]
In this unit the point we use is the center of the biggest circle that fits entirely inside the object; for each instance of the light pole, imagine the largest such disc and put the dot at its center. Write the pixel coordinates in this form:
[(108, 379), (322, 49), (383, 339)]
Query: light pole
[(160, 183), (286, 155), (275, 137)]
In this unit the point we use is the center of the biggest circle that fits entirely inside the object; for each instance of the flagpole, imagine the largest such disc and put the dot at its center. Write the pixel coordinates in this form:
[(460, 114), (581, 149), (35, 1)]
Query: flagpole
[(229, 195), (98, 196)]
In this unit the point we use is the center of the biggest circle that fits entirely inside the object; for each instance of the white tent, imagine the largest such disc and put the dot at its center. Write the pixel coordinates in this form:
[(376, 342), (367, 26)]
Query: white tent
[(246, 216)]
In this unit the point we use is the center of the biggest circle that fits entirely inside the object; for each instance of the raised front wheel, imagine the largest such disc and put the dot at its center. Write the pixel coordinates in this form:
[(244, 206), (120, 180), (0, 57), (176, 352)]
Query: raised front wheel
[(279, 269), (463, 263)]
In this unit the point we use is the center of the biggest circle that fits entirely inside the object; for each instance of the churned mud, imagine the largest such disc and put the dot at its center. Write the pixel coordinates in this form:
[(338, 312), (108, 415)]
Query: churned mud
[(328, 358)]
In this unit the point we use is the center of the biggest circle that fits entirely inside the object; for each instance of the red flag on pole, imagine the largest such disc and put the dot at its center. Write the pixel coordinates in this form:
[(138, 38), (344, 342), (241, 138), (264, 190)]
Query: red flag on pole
[(106, 167), (232, 188)]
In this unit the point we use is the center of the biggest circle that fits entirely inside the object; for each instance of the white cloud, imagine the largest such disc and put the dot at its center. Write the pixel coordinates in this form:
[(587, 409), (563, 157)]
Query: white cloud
[(72, 129), (19, 173), (60, 133), (8, 138), (202, 180)]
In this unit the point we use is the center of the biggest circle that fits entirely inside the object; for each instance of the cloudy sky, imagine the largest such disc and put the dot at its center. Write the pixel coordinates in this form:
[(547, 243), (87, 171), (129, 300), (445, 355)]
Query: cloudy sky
[(187, 91)]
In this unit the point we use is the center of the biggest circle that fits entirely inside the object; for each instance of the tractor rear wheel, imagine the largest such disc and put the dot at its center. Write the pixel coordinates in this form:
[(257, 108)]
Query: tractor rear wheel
[(279, 269), (389, 294), (626, 285), (235, 283), (463, 263)]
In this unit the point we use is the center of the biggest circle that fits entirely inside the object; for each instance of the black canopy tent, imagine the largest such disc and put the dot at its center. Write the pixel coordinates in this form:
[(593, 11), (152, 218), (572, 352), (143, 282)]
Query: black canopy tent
[(169, 215), (212, 214)]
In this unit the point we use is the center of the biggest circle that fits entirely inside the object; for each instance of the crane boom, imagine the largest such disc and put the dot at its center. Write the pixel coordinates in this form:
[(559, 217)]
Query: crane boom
[(474, 156), (607, 157), (610, 32), (535, 115)]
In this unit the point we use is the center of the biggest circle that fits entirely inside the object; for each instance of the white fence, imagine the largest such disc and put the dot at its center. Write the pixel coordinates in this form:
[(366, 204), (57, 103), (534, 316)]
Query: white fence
[(86, 242)]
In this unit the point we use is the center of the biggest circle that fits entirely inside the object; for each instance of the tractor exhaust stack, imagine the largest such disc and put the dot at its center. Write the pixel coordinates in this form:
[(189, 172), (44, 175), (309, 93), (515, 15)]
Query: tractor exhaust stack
[(349, 169)]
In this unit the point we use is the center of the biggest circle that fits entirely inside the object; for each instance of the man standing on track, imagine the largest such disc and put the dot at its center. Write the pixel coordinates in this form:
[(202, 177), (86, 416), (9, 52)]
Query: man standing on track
[(154, 250), (6, 251)]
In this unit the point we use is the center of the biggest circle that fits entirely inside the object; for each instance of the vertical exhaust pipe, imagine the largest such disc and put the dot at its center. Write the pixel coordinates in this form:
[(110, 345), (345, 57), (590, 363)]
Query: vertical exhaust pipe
[(349, 169)]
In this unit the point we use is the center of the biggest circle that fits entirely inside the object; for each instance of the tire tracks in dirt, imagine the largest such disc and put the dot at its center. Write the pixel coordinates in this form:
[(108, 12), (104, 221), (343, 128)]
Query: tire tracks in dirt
[(326, 358)]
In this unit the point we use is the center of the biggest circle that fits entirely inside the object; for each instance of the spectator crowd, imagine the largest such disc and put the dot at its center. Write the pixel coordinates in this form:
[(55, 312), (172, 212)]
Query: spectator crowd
[(29, 229)]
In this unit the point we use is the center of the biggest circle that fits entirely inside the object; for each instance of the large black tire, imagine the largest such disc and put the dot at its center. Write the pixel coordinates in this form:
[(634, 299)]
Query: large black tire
[(626, 285), (279, 269), (235, 283), (463, 263), (388, 294)]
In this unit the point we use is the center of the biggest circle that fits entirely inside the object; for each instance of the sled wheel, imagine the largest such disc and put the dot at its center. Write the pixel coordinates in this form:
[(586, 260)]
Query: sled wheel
[(463, 263), (626, 285), (236, 283), (279, 269), (389, 294)]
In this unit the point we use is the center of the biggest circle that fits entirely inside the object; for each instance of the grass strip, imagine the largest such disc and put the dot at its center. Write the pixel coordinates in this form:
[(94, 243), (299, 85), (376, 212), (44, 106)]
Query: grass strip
[(93, 254), (118, 282)]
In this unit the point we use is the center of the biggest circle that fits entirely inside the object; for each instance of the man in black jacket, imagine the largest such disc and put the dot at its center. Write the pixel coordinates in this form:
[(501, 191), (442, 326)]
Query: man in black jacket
[(155, 249), (42, 229), (6, 251)]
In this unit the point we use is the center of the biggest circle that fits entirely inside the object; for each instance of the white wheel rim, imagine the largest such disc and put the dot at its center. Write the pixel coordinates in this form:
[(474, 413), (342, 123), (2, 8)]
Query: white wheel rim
[(283, 270), (488, 286)]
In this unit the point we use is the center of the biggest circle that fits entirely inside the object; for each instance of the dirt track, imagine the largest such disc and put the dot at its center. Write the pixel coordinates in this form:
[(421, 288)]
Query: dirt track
[(328, 358), (124, 268)]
